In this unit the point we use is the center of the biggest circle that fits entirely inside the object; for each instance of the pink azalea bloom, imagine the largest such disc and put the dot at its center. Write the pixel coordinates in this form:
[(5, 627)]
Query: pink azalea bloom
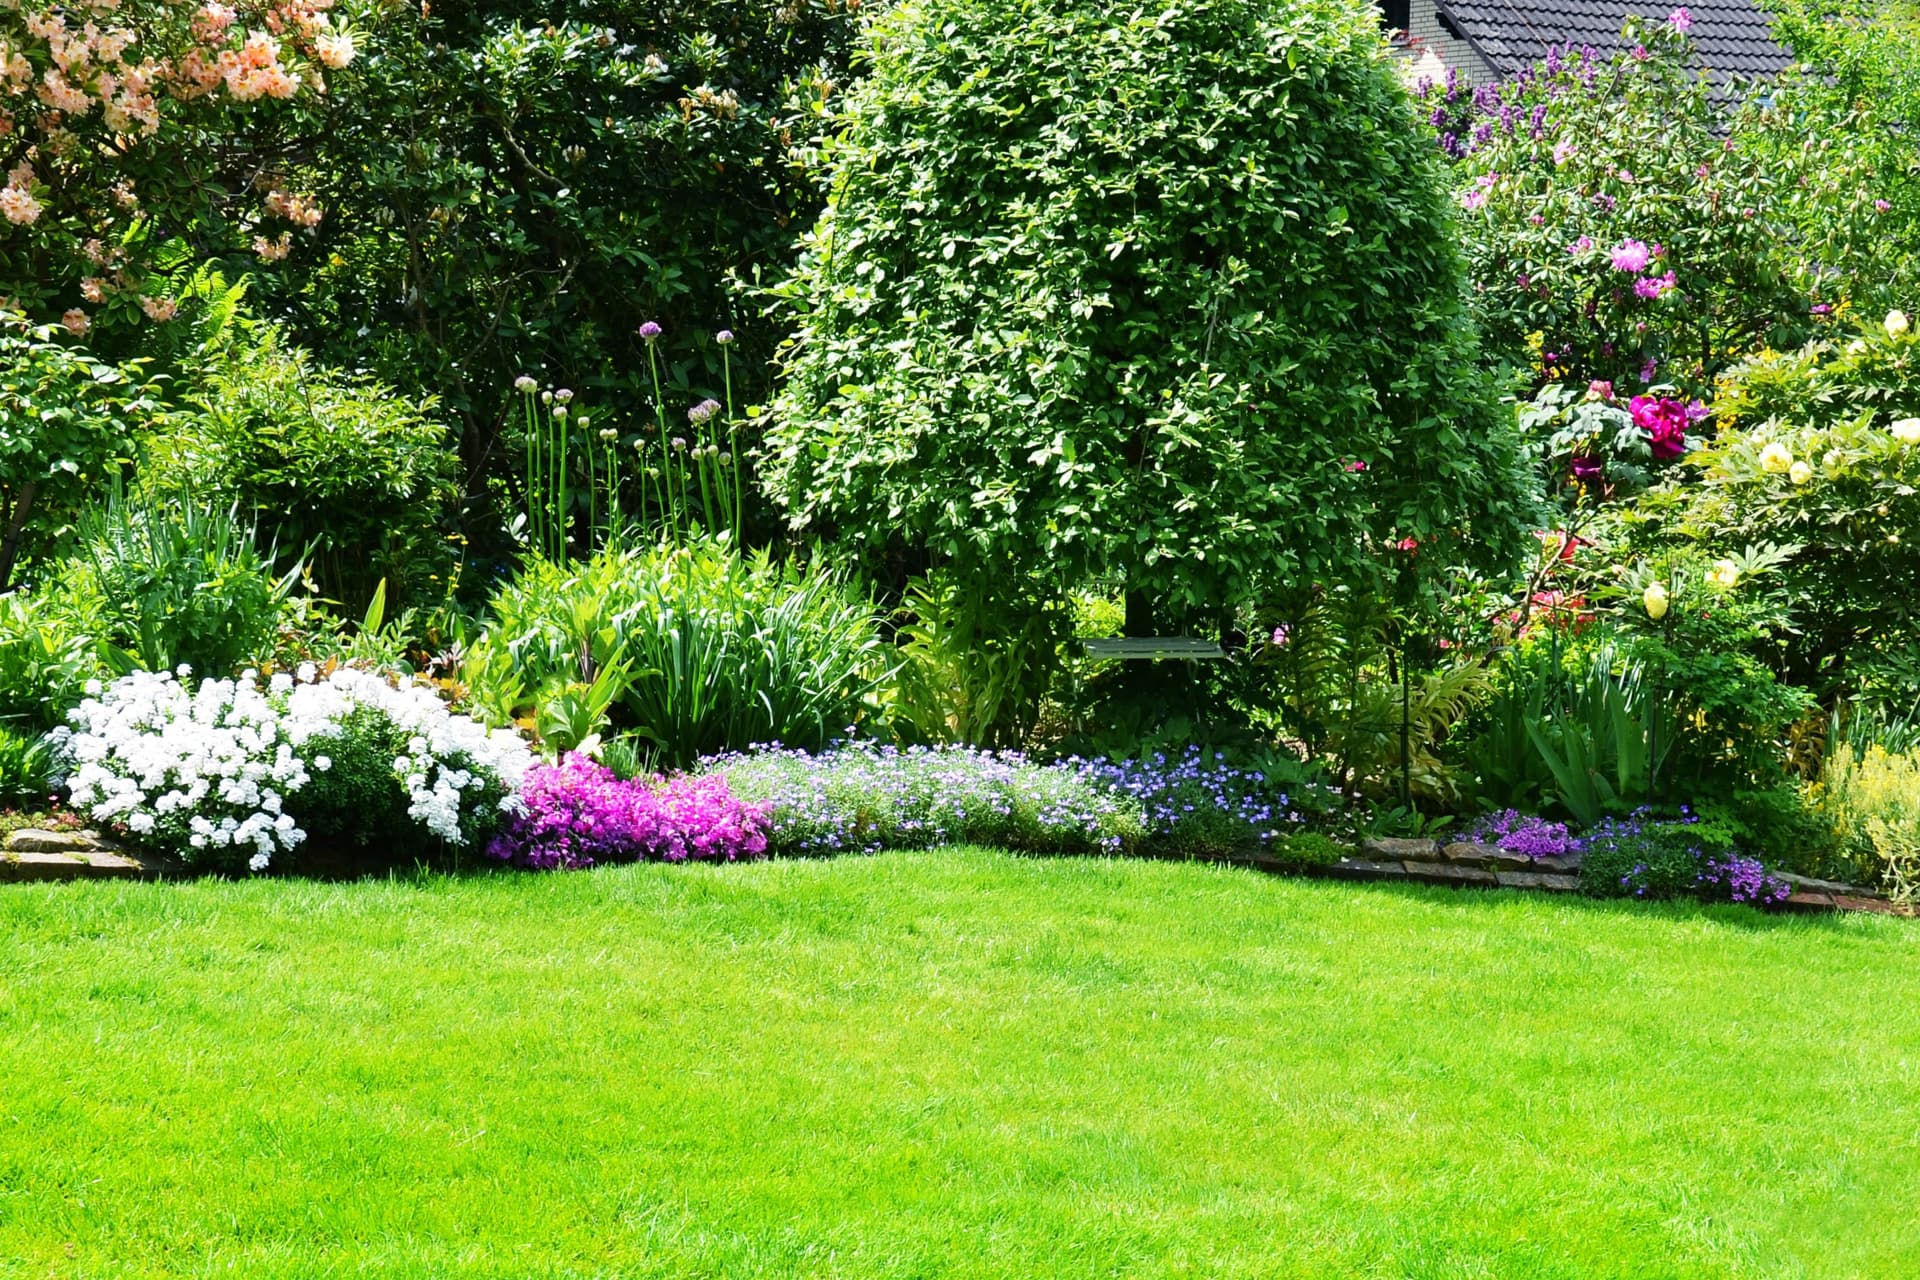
[(1680, 20)]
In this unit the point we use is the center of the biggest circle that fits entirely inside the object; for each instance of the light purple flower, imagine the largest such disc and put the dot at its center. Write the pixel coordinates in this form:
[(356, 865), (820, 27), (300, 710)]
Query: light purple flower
[(1680, 20)]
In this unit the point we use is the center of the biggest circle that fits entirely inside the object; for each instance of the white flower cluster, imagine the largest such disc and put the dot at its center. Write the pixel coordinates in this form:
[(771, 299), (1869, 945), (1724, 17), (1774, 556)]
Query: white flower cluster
[(214, 768), (447, 757)]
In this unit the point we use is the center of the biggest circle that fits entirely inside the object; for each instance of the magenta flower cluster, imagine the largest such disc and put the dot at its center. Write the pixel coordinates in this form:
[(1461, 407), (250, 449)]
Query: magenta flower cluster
[(1665, 421), (580, 814)]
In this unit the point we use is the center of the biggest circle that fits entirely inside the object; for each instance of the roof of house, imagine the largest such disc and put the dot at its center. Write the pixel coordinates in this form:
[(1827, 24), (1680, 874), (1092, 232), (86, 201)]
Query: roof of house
[(1730, 37)]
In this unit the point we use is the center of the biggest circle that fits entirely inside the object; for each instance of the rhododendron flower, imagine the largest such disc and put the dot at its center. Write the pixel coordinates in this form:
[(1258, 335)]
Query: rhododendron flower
[(159, 310), (1631, 256), (1563, 151), (18, 206), (1776, 459), (1649, 369), (1906, 430), (1680, 20), (1654, 287), (1881, 206), (1581, 245), (76, 321), (335, 50)]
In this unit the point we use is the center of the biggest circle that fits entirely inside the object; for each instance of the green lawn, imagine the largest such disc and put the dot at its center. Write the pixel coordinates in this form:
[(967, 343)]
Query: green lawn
[(950, 1064)]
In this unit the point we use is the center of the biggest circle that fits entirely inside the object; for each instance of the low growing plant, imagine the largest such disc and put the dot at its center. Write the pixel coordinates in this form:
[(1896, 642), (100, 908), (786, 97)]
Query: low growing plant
[(862, 798), (1641, 857), (223, 775), (580, 814)]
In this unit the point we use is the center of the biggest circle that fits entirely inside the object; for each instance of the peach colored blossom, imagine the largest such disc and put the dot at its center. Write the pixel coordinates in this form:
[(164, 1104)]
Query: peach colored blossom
[(93, 289), (18, 206), (77, 322), (159, 310)]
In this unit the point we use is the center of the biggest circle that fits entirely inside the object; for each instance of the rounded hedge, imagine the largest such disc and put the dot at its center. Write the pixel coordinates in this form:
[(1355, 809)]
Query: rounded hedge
[(1165, 293)]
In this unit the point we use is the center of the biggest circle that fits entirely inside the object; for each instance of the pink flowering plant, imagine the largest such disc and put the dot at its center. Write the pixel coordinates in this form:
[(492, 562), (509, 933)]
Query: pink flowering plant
[(1631, 220), (579, 814), (101, 104)]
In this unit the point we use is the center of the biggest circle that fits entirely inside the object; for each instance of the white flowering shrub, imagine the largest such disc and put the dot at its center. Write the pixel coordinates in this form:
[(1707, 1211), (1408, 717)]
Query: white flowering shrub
[(234, 772)]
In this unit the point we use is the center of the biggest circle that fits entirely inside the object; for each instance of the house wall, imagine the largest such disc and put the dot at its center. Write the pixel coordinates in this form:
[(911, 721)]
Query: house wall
[(1457, 54)]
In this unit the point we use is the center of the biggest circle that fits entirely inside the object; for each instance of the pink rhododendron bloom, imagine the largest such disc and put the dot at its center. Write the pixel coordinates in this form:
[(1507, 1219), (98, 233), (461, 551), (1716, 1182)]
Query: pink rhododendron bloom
[(1680, 20), (76, 321), (1631, 256), (1655, 286), (1599, 389)]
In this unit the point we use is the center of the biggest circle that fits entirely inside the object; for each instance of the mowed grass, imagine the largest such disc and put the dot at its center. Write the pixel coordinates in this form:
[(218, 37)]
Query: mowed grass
[(949, 1064)]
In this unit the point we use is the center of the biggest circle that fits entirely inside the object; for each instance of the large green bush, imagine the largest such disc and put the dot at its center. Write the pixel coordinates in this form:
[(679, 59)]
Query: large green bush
[(337, 470), (1166, 292)]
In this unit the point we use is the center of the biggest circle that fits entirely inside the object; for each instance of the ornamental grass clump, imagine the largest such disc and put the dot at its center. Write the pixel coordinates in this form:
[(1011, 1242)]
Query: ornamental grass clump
[(862, 798), (579, 814), (232, 773)]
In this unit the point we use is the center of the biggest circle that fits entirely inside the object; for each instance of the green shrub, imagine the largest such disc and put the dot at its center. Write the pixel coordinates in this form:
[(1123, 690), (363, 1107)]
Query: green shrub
[(1306, 849), (333, 468), (64, 418), (176, 584), (1784, 825), (50, 647), (1172, 298), (970, 673), (696, 650), (514, 190), (1871, 799), (1819, 452), (25, 766)]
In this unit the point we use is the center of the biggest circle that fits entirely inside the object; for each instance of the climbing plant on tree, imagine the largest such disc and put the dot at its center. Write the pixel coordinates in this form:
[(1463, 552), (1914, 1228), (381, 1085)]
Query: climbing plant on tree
[(1164, 294)]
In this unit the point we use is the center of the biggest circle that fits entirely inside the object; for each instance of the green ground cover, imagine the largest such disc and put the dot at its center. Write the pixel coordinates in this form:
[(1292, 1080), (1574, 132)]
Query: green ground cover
[(948, 1064)]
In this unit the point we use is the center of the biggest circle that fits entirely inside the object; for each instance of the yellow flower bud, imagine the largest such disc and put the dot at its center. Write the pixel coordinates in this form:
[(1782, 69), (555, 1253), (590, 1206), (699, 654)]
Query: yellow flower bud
[(1655, 599), (1800, 473), (1776, 459)]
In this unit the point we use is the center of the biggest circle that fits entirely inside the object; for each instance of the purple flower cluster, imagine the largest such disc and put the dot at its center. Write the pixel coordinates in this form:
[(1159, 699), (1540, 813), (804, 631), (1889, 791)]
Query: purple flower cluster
[(579, 814), (1742, 879), (1524, 833), (1197, 788)]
